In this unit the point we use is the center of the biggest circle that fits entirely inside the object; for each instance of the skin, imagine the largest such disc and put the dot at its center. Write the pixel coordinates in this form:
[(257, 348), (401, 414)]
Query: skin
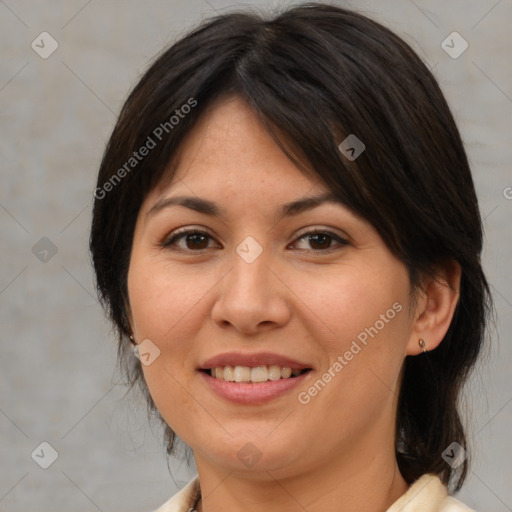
[(307, 299)]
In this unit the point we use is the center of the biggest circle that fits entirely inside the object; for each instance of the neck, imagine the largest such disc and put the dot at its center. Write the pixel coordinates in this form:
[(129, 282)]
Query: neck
[(361, 481)]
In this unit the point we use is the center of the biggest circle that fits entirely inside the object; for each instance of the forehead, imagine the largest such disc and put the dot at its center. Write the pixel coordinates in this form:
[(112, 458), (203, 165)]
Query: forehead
[(229, 151)]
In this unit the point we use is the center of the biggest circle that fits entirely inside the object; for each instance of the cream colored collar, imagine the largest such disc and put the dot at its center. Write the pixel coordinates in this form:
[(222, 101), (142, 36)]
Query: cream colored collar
[(427, 494)]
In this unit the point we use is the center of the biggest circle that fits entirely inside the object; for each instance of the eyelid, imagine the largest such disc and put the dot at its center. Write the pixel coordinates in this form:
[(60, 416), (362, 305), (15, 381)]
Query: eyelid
[(341, 240), (185, 230), (324, 230)]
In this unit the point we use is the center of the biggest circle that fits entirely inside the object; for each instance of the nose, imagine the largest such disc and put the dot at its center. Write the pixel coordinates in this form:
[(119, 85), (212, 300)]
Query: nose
[(252, 298)]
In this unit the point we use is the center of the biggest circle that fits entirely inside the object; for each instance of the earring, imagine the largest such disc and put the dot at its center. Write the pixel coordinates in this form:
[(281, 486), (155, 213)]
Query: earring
[(421, 343), (135, 347)]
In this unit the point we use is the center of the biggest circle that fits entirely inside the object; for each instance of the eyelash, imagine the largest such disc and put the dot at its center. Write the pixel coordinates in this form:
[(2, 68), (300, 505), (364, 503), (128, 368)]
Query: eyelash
[(182, 234)]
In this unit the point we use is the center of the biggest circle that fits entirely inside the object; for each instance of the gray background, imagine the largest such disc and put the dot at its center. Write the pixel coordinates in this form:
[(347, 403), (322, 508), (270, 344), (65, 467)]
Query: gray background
[(57, 353)]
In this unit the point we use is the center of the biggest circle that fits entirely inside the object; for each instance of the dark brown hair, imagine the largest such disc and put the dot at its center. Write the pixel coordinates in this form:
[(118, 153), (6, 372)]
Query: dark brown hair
[(315, 74)]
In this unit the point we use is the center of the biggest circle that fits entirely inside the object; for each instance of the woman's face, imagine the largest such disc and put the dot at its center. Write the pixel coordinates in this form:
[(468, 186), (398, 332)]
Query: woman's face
[(235, 266)]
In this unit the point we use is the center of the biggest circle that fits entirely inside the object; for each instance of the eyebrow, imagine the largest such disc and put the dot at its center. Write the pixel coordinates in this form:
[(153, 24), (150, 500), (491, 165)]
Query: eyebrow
[(210, 208)]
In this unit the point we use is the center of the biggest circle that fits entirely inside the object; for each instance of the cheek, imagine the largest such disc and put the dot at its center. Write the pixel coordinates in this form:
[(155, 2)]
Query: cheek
[(165, 300), (353, 303), (168, 308), (359, 319)]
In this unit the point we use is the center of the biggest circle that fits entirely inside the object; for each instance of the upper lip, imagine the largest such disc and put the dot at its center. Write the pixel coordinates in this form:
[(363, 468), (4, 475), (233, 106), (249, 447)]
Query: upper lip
[(252, 360)]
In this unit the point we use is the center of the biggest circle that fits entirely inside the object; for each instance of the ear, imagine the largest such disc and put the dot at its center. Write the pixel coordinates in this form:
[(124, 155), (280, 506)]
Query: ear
[(435, 307)]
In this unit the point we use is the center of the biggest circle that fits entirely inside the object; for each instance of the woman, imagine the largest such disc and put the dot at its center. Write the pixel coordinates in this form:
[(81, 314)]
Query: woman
[(286, 228)]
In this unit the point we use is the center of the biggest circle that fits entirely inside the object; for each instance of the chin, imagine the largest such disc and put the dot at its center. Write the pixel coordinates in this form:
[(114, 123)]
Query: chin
[(255, 454)]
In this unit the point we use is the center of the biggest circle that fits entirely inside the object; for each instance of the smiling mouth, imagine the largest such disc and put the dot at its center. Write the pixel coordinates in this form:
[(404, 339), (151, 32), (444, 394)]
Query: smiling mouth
[(254, 374)]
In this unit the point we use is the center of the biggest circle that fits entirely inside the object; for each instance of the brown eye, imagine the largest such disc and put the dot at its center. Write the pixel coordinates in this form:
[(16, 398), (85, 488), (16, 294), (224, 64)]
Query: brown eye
[(318, 241), (196, 241), (189, 240)]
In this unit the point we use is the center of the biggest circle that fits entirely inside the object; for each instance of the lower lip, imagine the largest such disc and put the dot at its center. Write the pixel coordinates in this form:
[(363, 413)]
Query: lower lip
[(252, 393)]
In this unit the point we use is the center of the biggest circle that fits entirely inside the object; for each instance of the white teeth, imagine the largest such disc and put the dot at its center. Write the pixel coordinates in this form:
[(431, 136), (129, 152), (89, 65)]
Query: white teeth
[(274, 372), (256, 374), (229, 374), (242, 374), (259, 374), (286, 373)]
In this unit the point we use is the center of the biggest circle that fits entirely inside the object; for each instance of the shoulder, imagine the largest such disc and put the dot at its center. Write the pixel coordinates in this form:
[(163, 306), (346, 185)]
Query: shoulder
[(450, 504), (184, 500), (428, 494)]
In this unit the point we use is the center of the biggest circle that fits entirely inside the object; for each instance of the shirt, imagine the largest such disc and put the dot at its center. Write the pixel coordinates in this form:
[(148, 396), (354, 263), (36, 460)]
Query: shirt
[(427, 494)]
